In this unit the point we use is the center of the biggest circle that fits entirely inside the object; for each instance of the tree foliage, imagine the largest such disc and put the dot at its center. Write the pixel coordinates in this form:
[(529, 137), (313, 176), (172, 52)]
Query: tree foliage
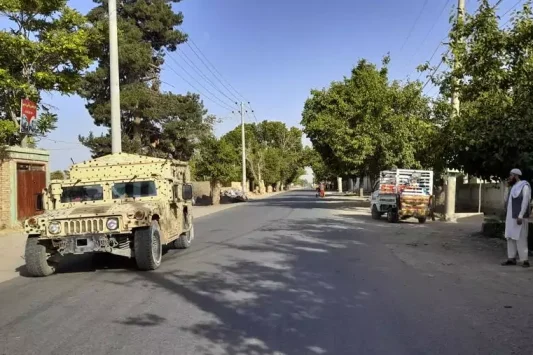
[(147, 31), (364, 123), (215, 161), (493, 131), (45, 49), (274, 153)]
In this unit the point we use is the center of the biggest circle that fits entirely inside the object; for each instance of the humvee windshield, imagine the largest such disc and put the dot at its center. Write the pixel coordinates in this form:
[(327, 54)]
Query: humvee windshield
[(82, 193), (134, 189)]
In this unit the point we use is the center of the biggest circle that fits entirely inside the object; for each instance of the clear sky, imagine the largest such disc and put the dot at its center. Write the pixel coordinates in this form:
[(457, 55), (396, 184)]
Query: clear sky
[(273, 52)]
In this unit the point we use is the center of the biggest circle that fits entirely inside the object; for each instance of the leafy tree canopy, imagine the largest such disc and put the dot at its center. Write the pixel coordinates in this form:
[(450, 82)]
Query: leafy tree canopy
[(44, 50), (274, 153), (493, 131), (148, 30), (365, 124)]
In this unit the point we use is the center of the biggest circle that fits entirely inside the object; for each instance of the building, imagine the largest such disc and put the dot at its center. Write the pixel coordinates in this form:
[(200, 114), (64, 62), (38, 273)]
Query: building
[(23, 176)]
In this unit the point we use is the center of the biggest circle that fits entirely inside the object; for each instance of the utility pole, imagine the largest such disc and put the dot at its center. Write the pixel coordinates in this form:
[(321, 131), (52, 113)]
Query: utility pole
[(451, 181), (116, 141), (456, 64), (243, 151)]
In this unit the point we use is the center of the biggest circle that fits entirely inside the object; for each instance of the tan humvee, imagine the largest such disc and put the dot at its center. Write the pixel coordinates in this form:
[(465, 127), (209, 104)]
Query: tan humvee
[(123, 204)]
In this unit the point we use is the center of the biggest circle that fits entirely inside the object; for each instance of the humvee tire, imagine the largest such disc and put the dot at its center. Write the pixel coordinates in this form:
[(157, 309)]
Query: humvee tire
[(184, 241), (422, 220), (36, 257), (147, 247)]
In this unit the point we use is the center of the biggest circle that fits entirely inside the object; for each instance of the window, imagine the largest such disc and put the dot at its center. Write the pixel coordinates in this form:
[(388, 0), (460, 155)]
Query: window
[(134, 189), (82, 193)]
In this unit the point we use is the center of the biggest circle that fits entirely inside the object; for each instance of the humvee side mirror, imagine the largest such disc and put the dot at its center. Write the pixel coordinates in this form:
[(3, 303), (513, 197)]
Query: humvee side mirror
[(186, 192), (39, 203)]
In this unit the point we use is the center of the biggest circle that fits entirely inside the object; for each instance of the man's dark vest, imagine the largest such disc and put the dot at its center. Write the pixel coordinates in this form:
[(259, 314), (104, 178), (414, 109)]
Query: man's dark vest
[(516, 204)]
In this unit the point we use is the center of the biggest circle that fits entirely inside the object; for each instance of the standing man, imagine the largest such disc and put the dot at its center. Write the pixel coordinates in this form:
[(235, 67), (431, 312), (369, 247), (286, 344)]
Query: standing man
[(517, 219)]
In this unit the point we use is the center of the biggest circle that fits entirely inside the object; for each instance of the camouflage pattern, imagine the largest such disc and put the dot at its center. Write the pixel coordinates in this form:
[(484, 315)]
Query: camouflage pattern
[(90, 217)]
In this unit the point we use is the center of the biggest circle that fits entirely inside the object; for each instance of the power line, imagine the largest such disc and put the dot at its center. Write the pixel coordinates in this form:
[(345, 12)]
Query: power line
[(446, 4), (58, 141), (508, 11), (195, 88), (414, 24), (447, 51), (434, 71), (253, 111), (205, 64), (214, 68), (220, 102), (199, 72), (432, 56)]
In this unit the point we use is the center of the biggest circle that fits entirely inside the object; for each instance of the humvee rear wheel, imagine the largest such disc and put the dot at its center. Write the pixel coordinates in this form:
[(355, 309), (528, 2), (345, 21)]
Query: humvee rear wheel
[(36, 255), (185, 240), (147, 247)]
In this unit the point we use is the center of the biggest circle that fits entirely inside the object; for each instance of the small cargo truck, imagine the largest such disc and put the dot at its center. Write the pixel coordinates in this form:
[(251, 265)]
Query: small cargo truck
[(402, 194)]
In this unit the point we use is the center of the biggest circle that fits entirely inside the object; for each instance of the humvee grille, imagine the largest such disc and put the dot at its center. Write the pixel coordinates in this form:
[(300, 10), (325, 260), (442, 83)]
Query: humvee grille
[(87, 225)]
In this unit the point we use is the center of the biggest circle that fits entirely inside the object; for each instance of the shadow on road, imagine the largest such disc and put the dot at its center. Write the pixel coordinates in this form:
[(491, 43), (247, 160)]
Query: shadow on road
[(275, 294), (144, 320)]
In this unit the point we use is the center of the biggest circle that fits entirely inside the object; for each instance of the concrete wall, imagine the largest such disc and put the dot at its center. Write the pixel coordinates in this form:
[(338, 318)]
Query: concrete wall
[(492, 197), (201, 191)]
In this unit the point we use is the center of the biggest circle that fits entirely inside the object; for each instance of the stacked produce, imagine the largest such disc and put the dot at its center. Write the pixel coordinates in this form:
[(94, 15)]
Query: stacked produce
[(414, 204)]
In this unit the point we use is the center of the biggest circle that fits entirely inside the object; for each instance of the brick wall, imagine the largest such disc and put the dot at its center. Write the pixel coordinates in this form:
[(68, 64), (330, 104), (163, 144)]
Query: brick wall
[(5, 194), (8, 183)]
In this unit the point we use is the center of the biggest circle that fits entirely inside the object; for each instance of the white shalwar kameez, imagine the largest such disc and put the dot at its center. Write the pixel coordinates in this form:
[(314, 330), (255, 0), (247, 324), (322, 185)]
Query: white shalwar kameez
[(515, 233)]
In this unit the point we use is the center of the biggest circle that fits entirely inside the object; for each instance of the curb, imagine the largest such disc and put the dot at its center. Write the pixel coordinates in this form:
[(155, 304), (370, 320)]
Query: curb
[(232, 205)]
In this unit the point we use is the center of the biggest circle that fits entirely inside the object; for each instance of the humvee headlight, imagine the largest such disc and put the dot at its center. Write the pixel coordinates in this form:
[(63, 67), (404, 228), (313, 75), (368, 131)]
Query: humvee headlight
[(54, 227), (139, 215), (112, 224)]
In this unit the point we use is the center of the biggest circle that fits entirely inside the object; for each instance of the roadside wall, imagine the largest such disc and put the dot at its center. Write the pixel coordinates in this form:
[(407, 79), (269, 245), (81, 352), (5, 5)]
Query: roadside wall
[(492, 197), (201, 191), (5, 194)]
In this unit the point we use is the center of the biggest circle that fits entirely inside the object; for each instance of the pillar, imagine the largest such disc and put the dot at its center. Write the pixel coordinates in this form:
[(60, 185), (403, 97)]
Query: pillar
[(451, 185), (339, 184), (350, 184)]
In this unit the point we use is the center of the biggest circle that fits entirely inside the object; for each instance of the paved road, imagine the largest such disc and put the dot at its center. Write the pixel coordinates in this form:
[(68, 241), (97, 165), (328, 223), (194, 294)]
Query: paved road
[(284, 275)]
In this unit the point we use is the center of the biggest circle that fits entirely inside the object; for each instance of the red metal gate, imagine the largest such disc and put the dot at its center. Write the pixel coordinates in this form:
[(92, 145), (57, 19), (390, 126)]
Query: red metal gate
[(31, 180)]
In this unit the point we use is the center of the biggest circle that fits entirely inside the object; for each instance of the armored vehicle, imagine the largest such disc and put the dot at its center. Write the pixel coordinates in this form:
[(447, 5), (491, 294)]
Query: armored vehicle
[(122, 204)]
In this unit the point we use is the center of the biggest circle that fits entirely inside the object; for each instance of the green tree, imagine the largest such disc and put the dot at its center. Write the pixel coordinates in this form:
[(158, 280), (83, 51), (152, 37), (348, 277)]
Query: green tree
[(44, 50), (314, 160), (365, 124), (57, 175), (492, 132), (147, 31), (274, 153), (215, 162)]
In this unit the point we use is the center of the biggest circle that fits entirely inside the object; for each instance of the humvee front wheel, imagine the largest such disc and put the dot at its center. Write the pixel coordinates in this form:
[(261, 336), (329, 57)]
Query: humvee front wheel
[(36, 256), (147, 247)]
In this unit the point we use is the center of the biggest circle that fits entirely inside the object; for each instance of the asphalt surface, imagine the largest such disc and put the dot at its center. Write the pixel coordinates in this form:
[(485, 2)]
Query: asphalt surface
[(285, 275)]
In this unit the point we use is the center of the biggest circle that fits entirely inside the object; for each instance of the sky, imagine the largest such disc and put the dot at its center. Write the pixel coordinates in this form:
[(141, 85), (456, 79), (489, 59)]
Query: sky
[(273, 53)]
